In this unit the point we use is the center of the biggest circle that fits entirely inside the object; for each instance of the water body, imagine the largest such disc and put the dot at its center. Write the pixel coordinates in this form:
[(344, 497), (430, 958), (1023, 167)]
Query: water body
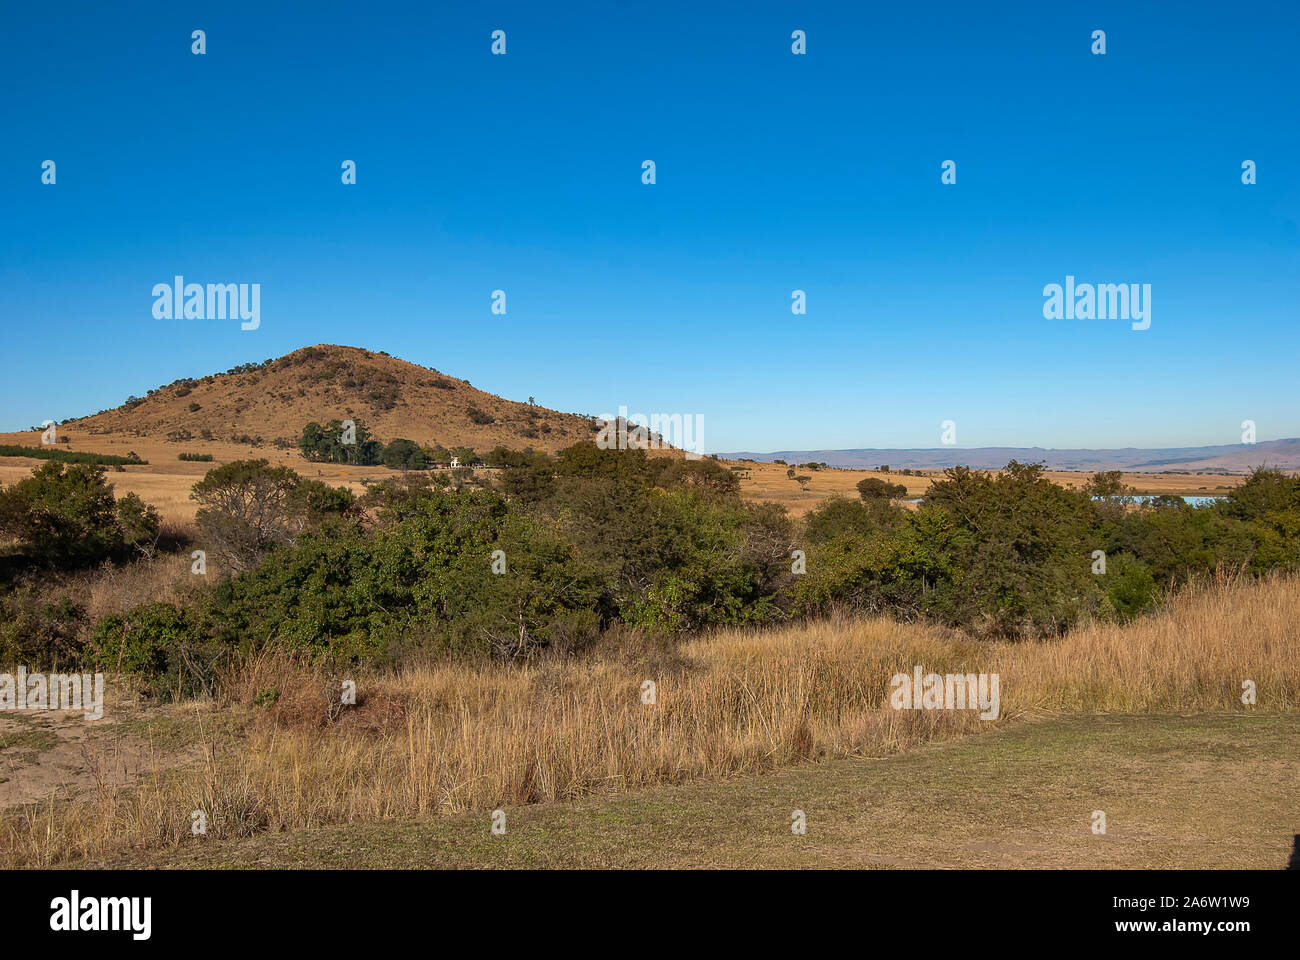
[(1190, 501)]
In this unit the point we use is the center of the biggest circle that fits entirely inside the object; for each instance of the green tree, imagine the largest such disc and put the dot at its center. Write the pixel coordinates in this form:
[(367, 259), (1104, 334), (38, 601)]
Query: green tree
[(326, 444), (402, 454), (437, 454), (248, 506), (839, 515), (1016, 549), (1266, 491), (873, 488), (67, 515)]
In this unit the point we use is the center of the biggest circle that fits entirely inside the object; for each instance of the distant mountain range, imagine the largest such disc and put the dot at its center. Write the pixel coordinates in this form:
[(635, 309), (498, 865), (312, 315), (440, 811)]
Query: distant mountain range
[(1227, 458)]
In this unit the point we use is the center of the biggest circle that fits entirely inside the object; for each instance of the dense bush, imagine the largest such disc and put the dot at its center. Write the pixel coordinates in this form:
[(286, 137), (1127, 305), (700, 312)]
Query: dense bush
[(39, 629), (428, 576), (570, 545), (68, 516), (167, 646), (1013, 554), (401, 454), (326, 444), (248, 506)]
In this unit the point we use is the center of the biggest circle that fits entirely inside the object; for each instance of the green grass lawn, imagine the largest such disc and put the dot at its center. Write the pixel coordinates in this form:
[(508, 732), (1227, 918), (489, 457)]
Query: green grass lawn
[(1199, 791)]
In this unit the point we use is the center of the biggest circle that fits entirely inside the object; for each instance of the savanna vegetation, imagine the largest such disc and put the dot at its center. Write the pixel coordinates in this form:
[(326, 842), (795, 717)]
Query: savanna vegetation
[(553, 553), (454, 736), (503, 618)]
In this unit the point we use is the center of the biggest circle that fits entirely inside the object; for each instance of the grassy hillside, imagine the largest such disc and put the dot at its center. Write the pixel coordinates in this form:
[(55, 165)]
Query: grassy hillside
[(393, 398)]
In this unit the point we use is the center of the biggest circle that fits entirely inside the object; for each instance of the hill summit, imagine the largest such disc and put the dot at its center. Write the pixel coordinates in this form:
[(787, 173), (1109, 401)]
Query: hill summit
[(271, 402)]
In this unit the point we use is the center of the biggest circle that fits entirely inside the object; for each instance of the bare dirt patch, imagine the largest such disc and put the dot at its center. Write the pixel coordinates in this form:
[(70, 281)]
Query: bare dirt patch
[(60, 753)]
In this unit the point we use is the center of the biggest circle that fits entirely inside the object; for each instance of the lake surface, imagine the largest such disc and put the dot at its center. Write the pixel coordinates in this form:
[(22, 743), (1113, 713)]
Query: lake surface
[(1190, 501)]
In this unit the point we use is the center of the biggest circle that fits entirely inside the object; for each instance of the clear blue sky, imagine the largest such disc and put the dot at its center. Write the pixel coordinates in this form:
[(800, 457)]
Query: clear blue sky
[(775, 172)]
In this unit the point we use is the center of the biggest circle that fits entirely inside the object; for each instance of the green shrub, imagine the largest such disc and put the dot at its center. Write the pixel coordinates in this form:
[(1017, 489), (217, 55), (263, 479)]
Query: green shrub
[(67, 516), (873, 488), (167, 646), (36, 630), (351, 595), (402, 454), (248, 506), (593, 539), (1130, 588)]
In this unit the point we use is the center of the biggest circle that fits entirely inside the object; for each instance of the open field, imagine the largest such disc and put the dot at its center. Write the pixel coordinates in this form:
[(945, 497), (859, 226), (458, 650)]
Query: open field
[(457, 740), (769, 483), (1203, 791), (165, 481)]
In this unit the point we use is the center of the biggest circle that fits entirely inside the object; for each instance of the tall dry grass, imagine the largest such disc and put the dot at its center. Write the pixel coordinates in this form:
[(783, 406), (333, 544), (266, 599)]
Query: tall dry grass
[(451, 737)]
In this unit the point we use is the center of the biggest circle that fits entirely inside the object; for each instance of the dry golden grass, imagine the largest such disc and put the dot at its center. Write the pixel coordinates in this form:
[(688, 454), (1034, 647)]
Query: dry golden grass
[(456, 737), (769, 483), (116, 589), (165, 482)]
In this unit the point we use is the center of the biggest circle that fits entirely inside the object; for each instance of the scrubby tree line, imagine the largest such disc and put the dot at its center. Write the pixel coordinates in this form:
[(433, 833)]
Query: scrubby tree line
[(67, 456), (326, 445), (556, 551)]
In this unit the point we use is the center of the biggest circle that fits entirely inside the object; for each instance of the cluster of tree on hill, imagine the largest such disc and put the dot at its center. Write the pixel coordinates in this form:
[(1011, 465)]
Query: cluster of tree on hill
[(335, 443), (561, 548)]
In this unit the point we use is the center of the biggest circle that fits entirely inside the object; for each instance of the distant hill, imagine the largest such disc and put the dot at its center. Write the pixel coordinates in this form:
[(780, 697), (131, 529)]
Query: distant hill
[(392, 398), (1229, 458)]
